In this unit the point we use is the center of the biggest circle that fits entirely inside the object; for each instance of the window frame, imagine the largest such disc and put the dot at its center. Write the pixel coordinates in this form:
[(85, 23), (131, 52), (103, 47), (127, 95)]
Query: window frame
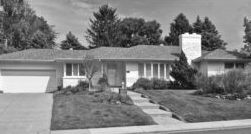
[(72, 71), (161, 71), (232, 65)]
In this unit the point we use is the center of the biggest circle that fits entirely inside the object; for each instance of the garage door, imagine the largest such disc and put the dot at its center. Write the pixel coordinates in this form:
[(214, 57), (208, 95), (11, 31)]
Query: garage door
[(28, 81)]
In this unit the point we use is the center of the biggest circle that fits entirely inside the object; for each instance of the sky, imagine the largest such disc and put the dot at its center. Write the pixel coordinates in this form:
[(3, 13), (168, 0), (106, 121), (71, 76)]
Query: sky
[(74, 15)]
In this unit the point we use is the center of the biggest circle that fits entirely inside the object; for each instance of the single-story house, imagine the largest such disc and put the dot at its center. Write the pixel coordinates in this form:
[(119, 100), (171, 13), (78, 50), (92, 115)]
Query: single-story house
[(44, 70)]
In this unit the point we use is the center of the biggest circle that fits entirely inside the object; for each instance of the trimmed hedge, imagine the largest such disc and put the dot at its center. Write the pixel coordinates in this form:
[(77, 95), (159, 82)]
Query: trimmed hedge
[(148, 84)]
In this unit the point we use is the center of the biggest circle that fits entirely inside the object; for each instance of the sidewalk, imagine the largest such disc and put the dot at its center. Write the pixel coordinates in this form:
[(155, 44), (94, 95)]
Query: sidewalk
[(185, 127), (161, 117)]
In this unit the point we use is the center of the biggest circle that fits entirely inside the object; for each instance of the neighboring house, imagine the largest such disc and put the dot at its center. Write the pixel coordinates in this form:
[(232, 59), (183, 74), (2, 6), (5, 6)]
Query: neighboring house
[(43, 70)]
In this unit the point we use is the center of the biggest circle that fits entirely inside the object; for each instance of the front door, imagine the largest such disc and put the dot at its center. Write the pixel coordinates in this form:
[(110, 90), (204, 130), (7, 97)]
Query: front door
[(115, 73), (111, 73)]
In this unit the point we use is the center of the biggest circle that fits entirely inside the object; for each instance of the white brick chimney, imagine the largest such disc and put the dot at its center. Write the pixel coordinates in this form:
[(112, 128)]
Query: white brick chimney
[(190, 44)]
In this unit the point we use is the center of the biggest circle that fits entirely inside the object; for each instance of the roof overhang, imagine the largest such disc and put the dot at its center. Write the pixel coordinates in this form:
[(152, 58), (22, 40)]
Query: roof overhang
[(113, 59), (24, 60), (226, 60)]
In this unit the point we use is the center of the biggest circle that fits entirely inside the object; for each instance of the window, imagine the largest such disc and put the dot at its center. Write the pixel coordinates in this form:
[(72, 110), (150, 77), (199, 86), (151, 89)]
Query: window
[(155, 70), (75, 69), (162, 72), (148, 70), (239, 65), (68, 70), (81, 70), (167, 71), (229, 65), (141, 69)]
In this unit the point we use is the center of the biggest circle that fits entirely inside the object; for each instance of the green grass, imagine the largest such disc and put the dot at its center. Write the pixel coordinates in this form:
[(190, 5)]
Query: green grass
[(200, 109), (80, 112)]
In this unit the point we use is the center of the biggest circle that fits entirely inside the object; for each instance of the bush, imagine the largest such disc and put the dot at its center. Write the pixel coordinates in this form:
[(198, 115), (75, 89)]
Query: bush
[(160, 83), (81, 87), (233, 82), (183, 74), (147, 84), (144, 83), (112, 98), (103, 83)]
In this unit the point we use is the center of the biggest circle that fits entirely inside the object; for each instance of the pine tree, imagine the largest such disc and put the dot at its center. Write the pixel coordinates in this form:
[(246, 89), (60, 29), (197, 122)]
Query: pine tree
[(247, 37), (179, 26), (71, 42), (183, 74), (198, 25), (104, 28), (211, 39)]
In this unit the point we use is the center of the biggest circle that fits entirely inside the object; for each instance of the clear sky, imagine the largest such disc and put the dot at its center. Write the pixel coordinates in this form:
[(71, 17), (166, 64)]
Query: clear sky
[(73, 15)]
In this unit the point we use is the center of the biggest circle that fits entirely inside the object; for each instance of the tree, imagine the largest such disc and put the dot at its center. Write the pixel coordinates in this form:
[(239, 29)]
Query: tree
[(103, 29), (23, 29), (211, 39), (136, 31), (183, 74), (179, 26), (90, 66), (71, 42), (247, 37)]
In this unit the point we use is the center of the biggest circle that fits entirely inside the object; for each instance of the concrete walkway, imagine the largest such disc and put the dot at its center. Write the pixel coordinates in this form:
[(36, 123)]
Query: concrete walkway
[(161, 117), (25, 113)]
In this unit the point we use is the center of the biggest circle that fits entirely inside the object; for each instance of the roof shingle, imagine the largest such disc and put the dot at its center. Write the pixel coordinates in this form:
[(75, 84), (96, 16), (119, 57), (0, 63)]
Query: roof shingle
[(144, 52)]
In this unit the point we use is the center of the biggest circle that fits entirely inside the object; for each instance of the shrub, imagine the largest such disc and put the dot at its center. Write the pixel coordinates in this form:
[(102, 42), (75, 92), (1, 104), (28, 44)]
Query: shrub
[(81, 87), (111, 98), (103, 83), (209, 84), (233, 82), (160, 83), (144, 83), (183, 74)]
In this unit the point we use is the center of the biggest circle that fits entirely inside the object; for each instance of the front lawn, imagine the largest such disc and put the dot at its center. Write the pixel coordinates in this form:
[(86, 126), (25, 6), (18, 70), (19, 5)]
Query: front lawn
[(200, 109), (82, 111)]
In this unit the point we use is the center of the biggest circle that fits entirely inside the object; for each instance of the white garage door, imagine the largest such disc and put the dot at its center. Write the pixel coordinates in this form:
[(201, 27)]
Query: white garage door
[(28, 81)]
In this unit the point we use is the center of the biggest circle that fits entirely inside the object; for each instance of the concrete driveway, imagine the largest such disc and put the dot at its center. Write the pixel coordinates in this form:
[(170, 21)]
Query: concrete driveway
[(25, 113)]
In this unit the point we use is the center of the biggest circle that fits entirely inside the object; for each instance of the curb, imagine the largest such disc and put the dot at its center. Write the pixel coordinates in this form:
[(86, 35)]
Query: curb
[(187, 127)]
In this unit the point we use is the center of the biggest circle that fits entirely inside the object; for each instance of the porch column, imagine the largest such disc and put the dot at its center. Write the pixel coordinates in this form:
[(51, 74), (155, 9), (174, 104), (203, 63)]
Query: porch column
[(145, 70), (159, 70), (151, 70), (64, 68), (165, 71)]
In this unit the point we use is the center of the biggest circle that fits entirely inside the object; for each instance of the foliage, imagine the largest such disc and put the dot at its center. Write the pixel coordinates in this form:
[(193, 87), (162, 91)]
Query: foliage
[(149, 84), (71, 42), (69, 90), (207, 85), (23, 29), (232, 82), (112, 98), (103, 29), (247, 37), (144, 83), (160, 83), (183, 74), (211, 39), (179, 26), (90, 66), (103, 82), (137, 31)]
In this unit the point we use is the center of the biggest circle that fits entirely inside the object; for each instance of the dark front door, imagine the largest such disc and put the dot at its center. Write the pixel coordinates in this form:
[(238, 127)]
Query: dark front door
[(115, 73)]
